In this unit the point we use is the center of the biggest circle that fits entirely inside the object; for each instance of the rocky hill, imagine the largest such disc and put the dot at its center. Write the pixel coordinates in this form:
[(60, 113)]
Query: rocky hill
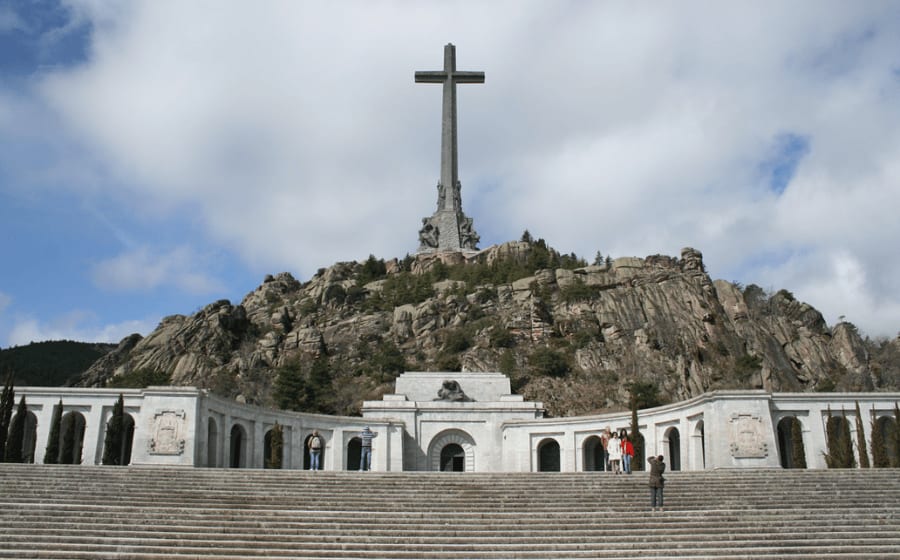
[(576, 337)]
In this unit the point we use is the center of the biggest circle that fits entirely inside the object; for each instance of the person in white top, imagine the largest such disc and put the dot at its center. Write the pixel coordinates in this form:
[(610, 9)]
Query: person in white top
[(614, 448)]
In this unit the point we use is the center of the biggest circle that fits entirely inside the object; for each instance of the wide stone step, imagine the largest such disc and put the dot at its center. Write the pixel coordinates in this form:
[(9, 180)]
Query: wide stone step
[(143, 513)]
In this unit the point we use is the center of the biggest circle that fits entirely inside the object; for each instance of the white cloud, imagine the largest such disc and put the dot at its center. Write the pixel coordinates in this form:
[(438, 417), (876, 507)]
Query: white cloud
[(297, 133), (77, 325), (143, 269)]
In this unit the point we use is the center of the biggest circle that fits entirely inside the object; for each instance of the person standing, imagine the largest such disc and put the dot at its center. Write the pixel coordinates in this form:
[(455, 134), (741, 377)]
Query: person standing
[(315, 450), (365, 455), (614, 448), (657, 468), (604, 441), (627, 454)]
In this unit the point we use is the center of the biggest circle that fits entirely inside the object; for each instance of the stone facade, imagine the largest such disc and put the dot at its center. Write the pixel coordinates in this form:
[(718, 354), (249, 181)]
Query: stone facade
[(464, 421)]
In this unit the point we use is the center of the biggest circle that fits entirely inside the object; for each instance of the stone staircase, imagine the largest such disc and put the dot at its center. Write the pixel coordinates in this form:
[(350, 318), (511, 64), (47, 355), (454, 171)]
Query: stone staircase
[(80, 512)]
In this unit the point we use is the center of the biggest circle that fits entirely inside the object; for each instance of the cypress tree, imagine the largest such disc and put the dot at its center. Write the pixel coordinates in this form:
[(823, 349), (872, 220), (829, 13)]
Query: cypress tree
[(51, 455), (115, 432), (880, 458), (861, 440), (277, 447), (798, 451), (895, 459), (16, 439), (637, 439), (7, 401)]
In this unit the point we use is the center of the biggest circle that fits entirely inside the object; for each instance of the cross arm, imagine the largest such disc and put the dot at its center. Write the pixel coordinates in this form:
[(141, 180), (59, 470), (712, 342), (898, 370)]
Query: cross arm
[(430, 77), (468, 77)]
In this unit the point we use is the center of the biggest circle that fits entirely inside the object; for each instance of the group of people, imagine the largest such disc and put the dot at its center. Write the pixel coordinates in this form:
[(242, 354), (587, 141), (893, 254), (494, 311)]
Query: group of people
[(618, 451), (315, 444)]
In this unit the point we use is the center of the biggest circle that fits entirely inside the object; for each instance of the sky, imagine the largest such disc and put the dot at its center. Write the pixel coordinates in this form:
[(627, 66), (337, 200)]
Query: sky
[(159, 155)]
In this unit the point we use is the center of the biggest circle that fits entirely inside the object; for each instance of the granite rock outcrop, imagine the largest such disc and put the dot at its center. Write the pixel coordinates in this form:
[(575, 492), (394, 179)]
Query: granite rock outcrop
[(570, 335)]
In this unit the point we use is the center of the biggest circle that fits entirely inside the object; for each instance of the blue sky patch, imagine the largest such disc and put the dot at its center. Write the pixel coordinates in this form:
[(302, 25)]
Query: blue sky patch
[(788, 149), (40, 33)]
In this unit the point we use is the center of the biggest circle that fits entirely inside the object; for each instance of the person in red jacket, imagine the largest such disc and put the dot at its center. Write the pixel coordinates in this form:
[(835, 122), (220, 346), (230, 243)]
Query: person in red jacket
[(627, 454)]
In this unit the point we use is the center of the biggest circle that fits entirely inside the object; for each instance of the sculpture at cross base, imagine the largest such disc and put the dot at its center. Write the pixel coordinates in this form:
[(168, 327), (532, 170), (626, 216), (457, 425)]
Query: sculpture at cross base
[(448, 229)]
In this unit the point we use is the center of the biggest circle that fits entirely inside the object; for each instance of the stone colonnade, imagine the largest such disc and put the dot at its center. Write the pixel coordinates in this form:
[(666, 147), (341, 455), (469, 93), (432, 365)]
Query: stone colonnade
[(189, 427)]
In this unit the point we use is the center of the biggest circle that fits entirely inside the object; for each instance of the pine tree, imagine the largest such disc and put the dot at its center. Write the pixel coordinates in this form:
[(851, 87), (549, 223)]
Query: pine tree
[(115, 433), (7, 401), (51, 455), (798, 451), (16, 439), (861, 440)]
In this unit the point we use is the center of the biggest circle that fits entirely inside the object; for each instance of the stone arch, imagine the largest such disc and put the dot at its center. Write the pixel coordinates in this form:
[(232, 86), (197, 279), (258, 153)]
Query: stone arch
[(212, 443), (888, 428), (549, 455), (237, 452), (124, 451), (71, 438), (788, 448), (269, 450), (673, 448), (592, 454), (839, 443), (29, 434), (354, 454), (307, 463), (699, 445), (455, 437)]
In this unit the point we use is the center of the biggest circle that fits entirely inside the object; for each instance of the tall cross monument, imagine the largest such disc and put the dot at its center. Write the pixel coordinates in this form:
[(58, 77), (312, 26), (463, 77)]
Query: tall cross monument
[(448, 229)]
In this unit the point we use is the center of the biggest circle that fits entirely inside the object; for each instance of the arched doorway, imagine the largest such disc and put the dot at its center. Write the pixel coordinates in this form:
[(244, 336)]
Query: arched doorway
[(791, 451), (674, 449), (839, 443), (307, 463), (237, 451), (24, 424), (71, 438), (699, 446), (453, 458), (887, 428), (452, 450), (123, 454), (212, 444), (548, 456), (354, 454), (273, 448), (592, 454)]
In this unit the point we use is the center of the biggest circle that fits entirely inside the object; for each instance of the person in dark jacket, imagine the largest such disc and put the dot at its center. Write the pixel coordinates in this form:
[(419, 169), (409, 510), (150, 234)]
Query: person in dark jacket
[(657, 468), (365, 456)]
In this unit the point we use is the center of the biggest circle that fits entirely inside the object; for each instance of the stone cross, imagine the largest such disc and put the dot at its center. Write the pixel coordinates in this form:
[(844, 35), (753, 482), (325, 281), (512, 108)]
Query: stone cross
[(449, 76), (448, 229)]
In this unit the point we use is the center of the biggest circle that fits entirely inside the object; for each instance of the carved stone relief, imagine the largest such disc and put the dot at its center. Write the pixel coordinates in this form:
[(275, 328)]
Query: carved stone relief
[(747, 441), (166, 433)]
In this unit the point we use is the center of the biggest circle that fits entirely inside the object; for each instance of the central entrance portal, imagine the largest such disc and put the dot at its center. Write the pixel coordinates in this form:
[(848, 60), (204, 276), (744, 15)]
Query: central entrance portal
[(453, 458)]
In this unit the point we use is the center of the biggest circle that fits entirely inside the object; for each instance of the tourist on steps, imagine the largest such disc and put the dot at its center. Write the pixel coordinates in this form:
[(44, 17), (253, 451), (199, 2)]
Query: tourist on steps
[(365, 455), (627, 454), (604, 441), (315, 450), (614, 448), (657, 468)]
